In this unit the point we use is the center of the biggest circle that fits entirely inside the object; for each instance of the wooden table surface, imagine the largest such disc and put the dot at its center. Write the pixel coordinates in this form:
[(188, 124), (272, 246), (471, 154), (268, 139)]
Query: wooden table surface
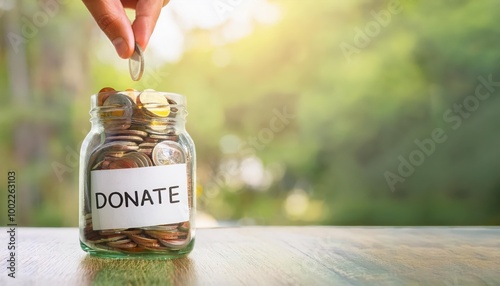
[(272, 256)]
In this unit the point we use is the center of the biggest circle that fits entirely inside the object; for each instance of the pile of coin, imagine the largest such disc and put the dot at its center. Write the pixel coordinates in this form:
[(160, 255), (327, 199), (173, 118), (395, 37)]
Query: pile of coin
[(155, 238), (139, 131)]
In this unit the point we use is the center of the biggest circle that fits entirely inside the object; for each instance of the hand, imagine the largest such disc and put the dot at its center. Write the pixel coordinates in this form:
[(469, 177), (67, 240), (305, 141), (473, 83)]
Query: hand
[(111, 18)]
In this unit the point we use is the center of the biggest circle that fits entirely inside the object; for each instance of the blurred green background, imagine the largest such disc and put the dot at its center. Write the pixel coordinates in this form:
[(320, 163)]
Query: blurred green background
[(302, 111)]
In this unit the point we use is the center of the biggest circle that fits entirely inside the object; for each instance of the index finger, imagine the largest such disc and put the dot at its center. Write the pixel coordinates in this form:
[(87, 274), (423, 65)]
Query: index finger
[(111, 18), (146, 15)]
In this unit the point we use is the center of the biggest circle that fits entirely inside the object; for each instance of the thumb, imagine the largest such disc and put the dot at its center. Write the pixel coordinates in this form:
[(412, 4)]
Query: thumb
[(111, 18)]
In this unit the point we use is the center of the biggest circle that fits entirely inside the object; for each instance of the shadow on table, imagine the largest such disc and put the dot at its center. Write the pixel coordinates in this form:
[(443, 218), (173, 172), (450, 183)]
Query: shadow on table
[(98, 271)]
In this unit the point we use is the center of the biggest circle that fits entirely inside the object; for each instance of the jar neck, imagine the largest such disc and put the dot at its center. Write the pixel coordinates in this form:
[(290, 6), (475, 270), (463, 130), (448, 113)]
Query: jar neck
[(124, 110)]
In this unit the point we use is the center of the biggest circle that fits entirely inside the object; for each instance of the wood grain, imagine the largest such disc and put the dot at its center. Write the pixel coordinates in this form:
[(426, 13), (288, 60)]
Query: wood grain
[(272, 256)]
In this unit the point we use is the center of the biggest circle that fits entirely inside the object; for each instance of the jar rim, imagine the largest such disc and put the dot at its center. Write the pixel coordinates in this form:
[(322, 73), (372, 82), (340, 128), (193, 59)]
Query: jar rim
[(179, 99), (120, 110)]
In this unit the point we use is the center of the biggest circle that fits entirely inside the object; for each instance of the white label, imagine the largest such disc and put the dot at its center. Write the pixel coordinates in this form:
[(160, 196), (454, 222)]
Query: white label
[(139, 197)]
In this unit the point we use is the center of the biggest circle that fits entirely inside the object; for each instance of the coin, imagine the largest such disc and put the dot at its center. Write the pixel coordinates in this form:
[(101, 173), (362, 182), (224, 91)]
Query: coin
[(164, 137), (140, 130), (168, 153), (174, 243), (117, 105), (132, 231), (103, 94), (124, 163), (119, 100), (141, 159), (165, 235), (173, 108), (130, 132), (105, 165), (119, 146), (151, 140), (97, 166), (130, 138), (118, 242), (159, 248), (146, 151), (147, 145), (153, 103), (113, 237), (146, 157), (114, 124), (113, 155), (111, 231), (184, 226), (144, 241), (136, 63), (166, 227), (121, 245), (156, 128)]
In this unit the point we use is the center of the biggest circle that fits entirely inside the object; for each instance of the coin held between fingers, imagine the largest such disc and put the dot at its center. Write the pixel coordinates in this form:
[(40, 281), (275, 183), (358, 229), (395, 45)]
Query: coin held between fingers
[(136, 63)]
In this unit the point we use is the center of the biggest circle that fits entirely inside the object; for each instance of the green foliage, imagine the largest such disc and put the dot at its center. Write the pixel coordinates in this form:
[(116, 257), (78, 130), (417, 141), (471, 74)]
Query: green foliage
[(353, 116)]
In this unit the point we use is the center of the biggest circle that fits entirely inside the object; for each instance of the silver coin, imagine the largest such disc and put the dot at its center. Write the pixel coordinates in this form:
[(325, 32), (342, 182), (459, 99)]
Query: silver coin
[(119, 146), (136, 63), (119, 100), (116, 112), (168, 153), (97, 157)]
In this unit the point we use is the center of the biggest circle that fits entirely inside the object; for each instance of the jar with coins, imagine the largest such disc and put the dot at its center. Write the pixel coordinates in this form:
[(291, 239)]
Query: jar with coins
[(137, 176)]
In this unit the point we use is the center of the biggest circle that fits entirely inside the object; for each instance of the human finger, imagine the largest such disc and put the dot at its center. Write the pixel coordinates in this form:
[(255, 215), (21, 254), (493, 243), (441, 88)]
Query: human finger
[(111, 18)]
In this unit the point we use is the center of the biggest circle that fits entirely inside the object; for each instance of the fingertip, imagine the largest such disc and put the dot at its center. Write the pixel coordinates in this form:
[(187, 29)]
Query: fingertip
[(124, 48), (145, 21), (141, 35), (120, 46)]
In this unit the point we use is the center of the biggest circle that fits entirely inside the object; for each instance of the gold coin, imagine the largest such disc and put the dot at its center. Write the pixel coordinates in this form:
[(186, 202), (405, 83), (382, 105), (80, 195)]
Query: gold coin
[(153, 103)]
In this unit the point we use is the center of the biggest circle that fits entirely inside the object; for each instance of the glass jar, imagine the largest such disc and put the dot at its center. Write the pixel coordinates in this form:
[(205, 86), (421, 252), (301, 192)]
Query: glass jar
[(137, 177)]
